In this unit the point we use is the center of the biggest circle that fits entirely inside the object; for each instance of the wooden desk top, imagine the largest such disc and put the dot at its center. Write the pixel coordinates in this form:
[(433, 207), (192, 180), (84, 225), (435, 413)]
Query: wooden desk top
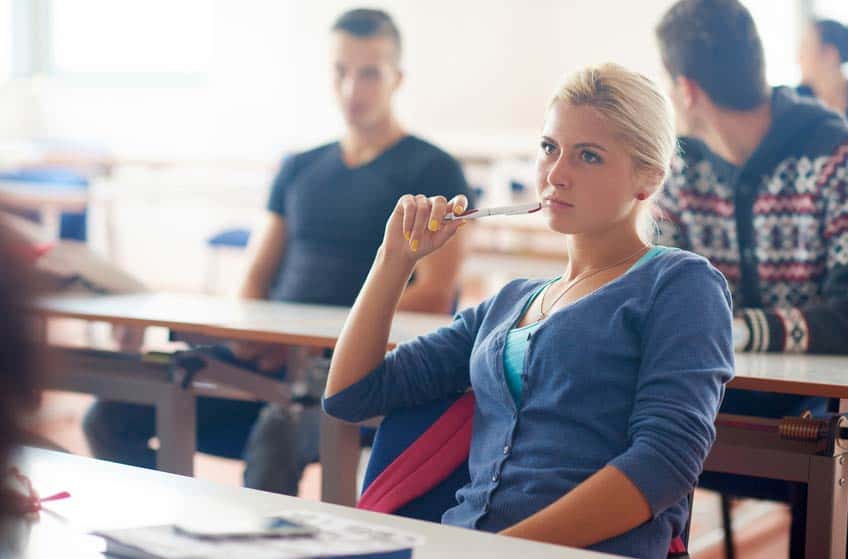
[(106, 495), (319, 326), (260, 321), (807, 375)]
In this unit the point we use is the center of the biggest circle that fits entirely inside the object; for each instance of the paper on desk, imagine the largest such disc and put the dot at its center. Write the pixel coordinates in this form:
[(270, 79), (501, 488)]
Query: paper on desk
[(336, 537)]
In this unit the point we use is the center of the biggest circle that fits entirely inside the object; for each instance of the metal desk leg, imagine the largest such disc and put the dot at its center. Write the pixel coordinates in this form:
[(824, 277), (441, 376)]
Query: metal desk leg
[(339, 461), (827, 507), (176, 425)]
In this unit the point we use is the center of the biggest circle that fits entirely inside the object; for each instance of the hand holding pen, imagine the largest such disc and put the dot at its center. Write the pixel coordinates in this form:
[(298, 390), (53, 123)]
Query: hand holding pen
[(420, 225)]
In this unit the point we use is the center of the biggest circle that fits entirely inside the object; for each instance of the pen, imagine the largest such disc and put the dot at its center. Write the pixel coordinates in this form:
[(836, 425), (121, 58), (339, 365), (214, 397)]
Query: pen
[(502, 210)]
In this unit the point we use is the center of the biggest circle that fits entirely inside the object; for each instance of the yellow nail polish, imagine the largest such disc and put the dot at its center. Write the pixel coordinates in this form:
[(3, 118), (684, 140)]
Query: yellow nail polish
[(457, 210), (407, 235), (434, 225), (414, 245)]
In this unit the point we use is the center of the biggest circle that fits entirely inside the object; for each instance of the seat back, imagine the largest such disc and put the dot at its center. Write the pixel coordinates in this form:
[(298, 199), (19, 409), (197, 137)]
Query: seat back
[(419, 460)]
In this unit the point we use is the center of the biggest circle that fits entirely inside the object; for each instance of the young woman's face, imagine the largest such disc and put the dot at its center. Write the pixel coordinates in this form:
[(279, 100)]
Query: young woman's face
[(585, 177)]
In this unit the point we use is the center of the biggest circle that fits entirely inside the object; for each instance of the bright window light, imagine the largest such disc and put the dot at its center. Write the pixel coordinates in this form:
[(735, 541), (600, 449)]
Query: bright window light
[(831, 9), (778, 22), (131, 36)]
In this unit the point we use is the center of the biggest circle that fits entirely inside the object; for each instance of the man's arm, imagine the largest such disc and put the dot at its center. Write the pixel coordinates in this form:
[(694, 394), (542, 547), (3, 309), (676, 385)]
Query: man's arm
[(265, 251), (821, 326), (265, 254)]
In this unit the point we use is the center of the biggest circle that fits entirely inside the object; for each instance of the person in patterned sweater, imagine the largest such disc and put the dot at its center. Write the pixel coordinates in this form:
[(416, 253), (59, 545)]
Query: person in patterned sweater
[(760, 188)]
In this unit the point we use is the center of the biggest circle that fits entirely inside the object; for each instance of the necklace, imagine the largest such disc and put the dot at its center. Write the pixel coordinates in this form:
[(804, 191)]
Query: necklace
[(585, 275)]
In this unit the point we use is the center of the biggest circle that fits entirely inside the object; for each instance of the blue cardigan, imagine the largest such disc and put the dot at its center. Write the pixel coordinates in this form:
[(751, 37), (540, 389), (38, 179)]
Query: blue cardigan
[(630, 376)]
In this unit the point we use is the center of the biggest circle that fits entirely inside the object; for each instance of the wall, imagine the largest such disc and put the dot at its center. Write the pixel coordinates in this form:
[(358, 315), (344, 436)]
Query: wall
[(479, 73)]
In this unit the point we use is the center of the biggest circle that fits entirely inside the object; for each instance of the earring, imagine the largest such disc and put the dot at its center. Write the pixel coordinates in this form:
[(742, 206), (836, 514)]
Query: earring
[(641, 196)]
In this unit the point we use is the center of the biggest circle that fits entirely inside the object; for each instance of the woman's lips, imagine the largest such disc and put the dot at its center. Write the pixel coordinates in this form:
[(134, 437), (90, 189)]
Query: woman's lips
[(557, 204)]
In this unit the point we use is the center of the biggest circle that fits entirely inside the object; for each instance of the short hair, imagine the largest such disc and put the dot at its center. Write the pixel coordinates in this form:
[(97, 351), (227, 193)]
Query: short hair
[(638, 110), (366, 22), (715, 43), (835, 34)]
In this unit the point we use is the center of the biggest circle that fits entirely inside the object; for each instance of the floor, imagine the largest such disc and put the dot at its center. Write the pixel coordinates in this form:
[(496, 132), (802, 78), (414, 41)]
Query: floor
[(761, 529)]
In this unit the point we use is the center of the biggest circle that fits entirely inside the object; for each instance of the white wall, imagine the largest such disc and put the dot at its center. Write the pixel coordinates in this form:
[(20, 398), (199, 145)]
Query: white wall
[(479, 73)]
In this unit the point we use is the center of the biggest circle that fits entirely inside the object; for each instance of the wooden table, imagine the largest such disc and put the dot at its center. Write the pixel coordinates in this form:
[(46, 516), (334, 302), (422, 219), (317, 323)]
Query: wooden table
[(105, 495), (128, 378), (821, 464), (756, 454)]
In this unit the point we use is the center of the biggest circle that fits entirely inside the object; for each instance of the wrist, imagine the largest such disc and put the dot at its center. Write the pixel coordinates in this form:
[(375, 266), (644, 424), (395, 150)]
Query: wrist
[(741, 334), (395, 262)]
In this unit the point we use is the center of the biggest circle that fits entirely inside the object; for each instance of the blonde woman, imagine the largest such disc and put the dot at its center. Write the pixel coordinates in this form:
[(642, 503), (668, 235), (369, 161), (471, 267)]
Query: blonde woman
[(596, 390)]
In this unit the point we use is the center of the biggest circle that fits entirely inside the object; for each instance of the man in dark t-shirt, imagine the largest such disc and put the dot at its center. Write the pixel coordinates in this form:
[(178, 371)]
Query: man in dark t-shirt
[(326, 215), (338, 214)]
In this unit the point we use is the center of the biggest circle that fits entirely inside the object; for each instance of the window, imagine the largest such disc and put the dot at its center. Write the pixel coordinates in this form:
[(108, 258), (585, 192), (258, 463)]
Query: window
[(779, 25), (831, 9), (150, 41), (6, 41)]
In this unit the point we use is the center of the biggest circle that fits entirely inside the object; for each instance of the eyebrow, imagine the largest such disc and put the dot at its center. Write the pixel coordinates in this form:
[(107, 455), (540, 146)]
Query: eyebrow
[(579, 145)]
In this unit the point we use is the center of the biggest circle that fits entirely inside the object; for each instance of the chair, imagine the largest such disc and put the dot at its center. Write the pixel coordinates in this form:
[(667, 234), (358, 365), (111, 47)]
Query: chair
[(419, 460), (226, 240)]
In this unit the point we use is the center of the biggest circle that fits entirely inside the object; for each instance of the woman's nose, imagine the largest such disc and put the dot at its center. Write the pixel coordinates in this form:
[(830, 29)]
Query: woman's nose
[(559, 174)]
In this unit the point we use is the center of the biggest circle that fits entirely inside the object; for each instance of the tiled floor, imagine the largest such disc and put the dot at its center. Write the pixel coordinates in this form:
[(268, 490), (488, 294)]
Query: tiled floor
[(761, 528)]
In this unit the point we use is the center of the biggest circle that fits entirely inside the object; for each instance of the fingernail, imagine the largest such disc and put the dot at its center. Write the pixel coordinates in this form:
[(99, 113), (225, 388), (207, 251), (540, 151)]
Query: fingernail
[(414, 245), (407, 235), (434, 225), (457, 210)]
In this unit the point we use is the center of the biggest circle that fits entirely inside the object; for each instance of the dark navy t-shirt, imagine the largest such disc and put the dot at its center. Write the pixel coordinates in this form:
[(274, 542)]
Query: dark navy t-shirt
[(336, 215)]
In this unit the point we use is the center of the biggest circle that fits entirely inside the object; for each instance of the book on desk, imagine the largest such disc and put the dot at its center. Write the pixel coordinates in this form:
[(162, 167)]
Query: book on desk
[(334, 537)]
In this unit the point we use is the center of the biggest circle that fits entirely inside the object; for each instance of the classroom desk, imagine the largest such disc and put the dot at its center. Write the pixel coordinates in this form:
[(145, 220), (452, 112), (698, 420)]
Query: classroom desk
[(759, 454), (106, 495), (48, 199), (128, 378), (763, 453)]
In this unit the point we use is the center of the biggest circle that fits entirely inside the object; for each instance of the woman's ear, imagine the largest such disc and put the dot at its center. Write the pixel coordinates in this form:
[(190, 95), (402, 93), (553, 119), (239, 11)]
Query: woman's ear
[(648, 181)]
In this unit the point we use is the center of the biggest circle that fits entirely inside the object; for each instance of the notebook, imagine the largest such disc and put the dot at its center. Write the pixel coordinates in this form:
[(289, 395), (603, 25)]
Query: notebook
[(335, 538)]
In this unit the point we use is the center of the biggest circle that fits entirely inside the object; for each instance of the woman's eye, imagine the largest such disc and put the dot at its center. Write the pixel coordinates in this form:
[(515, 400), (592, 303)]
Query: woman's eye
[(590, 156), (547, 147)]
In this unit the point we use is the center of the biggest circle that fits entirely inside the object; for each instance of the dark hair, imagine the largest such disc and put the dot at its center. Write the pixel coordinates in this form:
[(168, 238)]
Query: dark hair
[(834, 33), (18, 370), (715, 43), (365, 22)]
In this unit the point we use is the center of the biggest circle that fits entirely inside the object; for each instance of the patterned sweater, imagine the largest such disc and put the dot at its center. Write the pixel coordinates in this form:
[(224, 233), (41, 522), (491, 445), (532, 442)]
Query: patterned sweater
[(777, 227)]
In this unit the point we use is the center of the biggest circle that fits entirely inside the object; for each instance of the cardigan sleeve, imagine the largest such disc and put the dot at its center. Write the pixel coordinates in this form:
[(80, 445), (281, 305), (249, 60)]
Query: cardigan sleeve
[(687, 359), (427, 368)]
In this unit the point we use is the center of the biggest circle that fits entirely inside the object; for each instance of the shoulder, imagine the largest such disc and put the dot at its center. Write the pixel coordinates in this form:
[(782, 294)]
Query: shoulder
[(427, 156), (299, 160), (687, 274)]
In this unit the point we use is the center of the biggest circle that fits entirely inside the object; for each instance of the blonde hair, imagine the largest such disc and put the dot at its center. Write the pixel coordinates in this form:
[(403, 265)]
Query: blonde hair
[(639, 111)]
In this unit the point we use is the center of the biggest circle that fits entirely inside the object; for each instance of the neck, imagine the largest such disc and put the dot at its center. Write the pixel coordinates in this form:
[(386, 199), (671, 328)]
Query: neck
[(734, 135), (362, 144), (595, 251), (832, 89)]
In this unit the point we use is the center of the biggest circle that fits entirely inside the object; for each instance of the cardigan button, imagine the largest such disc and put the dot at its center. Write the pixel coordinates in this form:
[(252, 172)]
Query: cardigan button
[(506, 450), (495, 477)]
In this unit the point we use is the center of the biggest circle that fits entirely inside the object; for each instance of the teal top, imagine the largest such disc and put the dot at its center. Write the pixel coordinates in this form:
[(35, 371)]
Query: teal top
[(515, 346)]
